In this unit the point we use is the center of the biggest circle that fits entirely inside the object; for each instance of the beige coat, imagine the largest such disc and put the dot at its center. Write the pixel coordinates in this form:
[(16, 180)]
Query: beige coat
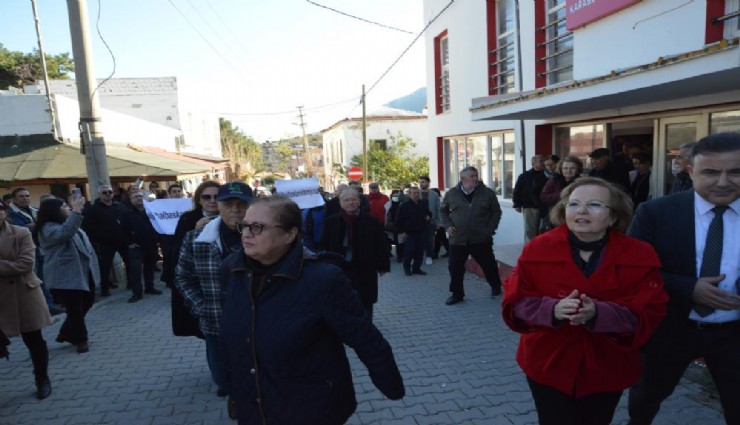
[(22, 304)]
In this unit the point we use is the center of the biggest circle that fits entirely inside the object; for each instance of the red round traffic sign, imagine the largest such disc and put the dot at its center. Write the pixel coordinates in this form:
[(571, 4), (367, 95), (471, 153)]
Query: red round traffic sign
[(355, 173)]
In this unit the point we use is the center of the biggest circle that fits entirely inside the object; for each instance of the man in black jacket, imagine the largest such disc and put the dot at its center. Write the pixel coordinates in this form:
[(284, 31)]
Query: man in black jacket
[(142, 248), (104, 226), (604, 168), (526, 196), (412, 220)]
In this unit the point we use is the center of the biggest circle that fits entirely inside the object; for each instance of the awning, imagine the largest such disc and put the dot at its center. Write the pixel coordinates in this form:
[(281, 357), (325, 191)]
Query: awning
[(708, 76), (202, 160), (34, 160)]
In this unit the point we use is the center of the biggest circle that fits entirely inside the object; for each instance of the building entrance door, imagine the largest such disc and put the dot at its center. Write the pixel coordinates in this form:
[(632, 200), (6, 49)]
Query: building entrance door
[(671, 134)]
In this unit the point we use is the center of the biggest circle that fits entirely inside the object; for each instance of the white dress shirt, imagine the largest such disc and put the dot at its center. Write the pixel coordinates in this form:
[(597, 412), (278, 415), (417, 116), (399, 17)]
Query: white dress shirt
[(730, 265)]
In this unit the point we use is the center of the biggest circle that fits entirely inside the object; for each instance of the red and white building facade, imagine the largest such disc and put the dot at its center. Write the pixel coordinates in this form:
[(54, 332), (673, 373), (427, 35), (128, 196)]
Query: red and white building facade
[(508, 79)]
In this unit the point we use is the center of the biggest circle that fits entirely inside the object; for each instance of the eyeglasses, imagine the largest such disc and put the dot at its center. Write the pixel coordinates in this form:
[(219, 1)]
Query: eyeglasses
[(106, 192), (593, 207), (208, 197), (254, 228)]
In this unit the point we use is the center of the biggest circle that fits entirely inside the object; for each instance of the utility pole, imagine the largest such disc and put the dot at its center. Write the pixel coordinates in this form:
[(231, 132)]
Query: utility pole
[(92, 143), (305, 141), (365, 171), (43, 68)]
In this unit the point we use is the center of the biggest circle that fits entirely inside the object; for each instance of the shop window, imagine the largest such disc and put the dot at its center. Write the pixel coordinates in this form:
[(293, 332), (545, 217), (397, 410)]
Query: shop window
[(579, 141), (558, 44), (495, 170), (724, 122), (380, 143), (442, 72)]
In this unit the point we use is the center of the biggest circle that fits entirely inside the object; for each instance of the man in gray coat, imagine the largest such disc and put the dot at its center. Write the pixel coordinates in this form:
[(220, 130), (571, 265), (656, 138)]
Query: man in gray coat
[(471, 213)]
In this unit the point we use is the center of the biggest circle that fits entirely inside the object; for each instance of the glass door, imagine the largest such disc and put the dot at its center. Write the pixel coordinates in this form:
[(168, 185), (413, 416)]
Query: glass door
[(670, 135)]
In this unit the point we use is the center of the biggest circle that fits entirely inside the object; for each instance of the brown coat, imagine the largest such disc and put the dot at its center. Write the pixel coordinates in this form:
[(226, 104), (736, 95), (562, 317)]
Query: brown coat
[(22, 304)]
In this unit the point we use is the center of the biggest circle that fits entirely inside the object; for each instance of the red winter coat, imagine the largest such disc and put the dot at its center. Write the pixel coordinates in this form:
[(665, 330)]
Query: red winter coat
[(570, 358)]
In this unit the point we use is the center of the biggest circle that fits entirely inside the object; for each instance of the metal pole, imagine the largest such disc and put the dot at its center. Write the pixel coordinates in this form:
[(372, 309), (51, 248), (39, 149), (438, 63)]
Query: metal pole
[(520, 84), (365, 171), (305, 142), (43, 68), (92, 142)]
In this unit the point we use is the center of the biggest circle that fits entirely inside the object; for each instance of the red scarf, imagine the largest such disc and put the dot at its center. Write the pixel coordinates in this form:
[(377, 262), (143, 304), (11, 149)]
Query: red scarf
[(350, 220)]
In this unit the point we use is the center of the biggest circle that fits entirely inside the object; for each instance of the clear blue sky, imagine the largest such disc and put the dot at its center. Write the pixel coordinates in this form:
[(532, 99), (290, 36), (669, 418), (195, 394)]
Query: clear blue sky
[(260, 56)]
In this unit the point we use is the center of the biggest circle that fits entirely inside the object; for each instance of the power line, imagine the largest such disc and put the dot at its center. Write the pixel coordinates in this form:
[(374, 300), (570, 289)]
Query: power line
[(358, 18), (292, 111), (409, 47), (236, 72), (233, 35)]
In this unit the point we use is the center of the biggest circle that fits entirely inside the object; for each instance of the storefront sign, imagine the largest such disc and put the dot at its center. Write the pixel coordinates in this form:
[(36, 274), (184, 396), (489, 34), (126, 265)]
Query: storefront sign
[(583, 12)]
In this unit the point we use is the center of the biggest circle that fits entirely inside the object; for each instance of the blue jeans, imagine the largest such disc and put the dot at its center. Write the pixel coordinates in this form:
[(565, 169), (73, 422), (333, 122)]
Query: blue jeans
[(414, 250), (216, 363)]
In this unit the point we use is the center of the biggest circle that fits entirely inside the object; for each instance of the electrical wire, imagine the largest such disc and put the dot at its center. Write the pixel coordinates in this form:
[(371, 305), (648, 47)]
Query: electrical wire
[(113, 57), (358, 18), (292, 111), (233, 35), (236, 72), (216, 33)]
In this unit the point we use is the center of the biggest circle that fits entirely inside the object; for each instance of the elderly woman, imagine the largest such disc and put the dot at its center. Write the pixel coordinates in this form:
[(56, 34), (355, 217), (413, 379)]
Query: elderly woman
[(360, 239), (23, 309), (205, 209), (70, 265), (568, 170), (286, 317), (585, 298)]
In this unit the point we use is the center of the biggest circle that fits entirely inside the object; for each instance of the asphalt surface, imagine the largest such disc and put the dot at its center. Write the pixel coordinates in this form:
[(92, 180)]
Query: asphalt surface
[(457, 362)]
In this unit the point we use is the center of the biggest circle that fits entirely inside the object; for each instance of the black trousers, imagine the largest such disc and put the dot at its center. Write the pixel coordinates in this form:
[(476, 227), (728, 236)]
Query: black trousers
[(77, 303), (483, 254), (663, 368), (106, 253), (141, 259), (440, 240), (557, 408), (39, 352)]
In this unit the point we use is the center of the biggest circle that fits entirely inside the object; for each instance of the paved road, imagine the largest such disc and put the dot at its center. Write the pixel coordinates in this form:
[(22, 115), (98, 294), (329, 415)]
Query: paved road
[(457, 362)]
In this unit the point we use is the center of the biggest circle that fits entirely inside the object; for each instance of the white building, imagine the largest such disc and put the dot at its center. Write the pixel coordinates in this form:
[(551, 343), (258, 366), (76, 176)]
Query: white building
[(343, 140), (569, 76), (140, 110)]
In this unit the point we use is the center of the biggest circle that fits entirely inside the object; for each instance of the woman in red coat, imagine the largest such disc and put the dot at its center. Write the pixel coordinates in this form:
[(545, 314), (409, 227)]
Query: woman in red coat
[(585, 298)]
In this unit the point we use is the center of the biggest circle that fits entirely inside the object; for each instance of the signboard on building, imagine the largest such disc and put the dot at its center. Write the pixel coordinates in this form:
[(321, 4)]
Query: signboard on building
[(584, 12)]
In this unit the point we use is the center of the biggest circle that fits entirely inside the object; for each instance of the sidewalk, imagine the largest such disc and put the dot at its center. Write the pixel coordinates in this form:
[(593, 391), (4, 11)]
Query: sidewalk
[(457, 362)]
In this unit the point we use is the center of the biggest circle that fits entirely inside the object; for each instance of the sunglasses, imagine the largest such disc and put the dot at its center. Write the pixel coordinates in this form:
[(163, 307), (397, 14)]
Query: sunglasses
[(107, 192), (208, 197)]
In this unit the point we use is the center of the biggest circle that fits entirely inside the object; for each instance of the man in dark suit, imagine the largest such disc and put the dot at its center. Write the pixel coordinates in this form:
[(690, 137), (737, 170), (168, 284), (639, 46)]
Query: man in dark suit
[(695, 233)]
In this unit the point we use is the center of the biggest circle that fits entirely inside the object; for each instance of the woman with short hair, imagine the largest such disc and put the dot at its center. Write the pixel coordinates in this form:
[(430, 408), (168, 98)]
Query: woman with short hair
[(585, 298)]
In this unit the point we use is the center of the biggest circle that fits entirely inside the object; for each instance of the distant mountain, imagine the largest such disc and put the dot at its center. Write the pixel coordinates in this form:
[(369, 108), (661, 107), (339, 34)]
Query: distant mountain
[(415, 101)]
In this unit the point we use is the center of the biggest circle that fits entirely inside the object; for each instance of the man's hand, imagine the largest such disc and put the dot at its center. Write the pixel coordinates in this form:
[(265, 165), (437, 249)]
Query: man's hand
[(451, 230), (202, 222), (707, 293)]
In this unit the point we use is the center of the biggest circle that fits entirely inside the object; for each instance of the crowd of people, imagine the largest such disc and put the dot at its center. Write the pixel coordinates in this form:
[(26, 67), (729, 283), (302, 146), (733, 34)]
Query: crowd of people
[(613, 291)]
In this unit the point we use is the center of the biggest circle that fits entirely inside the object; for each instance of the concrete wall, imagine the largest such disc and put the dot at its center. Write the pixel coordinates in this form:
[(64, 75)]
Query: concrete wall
[(24, 115)]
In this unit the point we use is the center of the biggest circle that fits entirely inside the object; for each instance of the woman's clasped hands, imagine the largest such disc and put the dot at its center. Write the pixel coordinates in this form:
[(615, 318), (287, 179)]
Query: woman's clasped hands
[(578, 309)]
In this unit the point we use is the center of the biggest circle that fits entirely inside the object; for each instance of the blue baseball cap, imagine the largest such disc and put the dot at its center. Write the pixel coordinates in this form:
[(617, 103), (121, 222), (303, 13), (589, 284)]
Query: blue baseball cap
[(235, 190)]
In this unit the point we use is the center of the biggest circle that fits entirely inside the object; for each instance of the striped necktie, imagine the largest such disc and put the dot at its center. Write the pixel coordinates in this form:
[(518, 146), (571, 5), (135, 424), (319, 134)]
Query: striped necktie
[(712, 257)]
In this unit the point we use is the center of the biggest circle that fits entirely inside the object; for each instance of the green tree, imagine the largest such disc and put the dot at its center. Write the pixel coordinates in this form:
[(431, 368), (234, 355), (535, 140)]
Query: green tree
[(395, 165), (244, 154), (17, 68)]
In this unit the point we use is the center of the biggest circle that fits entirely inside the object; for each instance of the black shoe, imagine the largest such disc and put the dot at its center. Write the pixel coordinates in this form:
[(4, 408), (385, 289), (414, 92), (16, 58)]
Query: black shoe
[(43, 389), (421, 272), (231, 408), (153, 291), (454, 299), (105, 293), (407, 272), (135, 298), (495, 292), (113, 286), (222, 392)]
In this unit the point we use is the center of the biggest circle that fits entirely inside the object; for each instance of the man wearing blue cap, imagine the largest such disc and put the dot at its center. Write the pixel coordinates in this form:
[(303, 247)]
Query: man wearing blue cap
[(197, 273)]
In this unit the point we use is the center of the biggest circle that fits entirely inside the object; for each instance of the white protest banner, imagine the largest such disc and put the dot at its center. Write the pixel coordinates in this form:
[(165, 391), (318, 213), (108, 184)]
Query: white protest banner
[(304, 192), (164, 213)]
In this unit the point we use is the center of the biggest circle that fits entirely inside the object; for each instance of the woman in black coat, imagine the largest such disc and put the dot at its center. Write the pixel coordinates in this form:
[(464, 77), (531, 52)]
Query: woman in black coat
[(205, 209), (360, 240)]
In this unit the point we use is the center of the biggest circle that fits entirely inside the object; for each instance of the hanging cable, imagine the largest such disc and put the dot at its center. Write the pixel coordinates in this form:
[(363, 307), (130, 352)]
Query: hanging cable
[(358, 18), (113, 57)]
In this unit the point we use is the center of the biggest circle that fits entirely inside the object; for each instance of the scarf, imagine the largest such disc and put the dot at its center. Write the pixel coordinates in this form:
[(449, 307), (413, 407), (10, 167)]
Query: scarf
[(351, 220)]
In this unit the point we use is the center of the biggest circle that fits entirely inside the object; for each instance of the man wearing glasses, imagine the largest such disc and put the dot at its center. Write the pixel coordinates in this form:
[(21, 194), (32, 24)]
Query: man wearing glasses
[(197, 273), (103, 224)]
